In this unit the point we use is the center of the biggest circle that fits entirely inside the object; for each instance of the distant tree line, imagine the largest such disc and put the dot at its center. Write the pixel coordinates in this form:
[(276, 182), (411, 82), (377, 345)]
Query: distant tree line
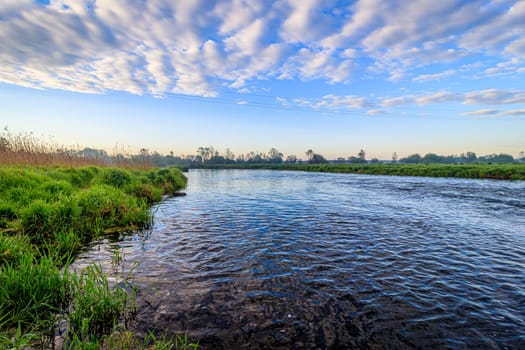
[(211, 156), (464, 158)]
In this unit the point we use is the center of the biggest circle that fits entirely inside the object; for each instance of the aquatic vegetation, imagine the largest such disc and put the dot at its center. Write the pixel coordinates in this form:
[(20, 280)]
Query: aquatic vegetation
[(46, 215), (96, 306)]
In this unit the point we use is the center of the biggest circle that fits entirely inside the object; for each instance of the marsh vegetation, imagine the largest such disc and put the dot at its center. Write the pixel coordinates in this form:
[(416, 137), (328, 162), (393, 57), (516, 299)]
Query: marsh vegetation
[(47, 214)]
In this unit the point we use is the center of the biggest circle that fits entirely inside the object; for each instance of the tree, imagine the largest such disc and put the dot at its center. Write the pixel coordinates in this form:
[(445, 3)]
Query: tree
[(361, 158), (500, 158), (361, 155), (291, 159), (432, 158), (228, 154), (317, 159), (412, 159), (394, 157), (207, 153), (309, 154), (274, 156), (470, 157), (201, 155)]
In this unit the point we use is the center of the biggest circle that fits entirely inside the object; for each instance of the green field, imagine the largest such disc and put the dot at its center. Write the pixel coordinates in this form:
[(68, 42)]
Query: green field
[(46, 215), (468, 171)]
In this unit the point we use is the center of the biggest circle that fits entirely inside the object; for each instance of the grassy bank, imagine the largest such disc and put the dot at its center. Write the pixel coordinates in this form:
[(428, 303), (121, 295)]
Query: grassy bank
[(46, 215), (468, 171)]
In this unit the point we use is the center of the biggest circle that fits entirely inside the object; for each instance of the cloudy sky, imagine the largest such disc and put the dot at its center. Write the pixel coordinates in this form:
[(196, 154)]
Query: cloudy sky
[(443, 76)]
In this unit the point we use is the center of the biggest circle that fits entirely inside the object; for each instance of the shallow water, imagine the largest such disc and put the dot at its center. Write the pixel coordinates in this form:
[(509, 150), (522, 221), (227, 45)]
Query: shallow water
[(266, 259)]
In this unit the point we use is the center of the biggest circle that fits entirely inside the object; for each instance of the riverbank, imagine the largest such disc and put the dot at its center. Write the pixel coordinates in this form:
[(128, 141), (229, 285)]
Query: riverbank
[(467, 171), (47, 214)]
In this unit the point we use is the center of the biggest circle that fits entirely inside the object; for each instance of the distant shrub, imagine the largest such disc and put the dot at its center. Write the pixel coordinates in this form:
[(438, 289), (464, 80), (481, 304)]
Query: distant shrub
[(149, 193), (115, 177), (168, 179), (103, 206)]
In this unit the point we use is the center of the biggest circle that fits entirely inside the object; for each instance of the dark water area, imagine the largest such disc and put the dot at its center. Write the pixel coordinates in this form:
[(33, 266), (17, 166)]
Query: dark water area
[(290, 260)]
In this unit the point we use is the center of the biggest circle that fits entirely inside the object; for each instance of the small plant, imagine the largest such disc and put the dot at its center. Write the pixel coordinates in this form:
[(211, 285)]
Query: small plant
[(64, 247), (96, 307), (179, 342), (19, 340)]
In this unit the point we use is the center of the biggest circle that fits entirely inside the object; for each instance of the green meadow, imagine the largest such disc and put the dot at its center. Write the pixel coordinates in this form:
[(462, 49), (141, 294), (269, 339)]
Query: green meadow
[(47, 214)]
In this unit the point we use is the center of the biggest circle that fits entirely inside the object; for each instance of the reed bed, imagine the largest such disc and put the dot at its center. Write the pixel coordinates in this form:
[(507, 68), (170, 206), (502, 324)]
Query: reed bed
[(27, 149)]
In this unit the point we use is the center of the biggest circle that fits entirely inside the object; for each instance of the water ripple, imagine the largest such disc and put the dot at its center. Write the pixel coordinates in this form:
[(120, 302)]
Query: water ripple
[(263, 259)]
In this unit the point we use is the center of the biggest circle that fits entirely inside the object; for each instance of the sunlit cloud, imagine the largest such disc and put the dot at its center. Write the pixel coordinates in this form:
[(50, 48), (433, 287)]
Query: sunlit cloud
[(375, 112), (201, 47), (481, 112), (515, 112), (435, 76)]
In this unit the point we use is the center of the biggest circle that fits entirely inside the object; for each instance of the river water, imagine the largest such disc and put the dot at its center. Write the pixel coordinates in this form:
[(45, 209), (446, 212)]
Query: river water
[(273, 259)]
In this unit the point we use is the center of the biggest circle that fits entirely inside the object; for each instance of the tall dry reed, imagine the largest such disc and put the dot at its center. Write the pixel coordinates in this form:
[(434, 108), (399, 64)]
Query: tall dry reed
[(27, 149)]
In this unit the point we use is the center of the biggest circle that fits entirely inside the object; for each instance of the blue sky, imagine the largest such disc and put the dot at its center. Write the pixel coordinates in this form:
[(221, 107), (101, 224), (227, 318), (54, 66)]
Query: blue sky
[(399, 76)]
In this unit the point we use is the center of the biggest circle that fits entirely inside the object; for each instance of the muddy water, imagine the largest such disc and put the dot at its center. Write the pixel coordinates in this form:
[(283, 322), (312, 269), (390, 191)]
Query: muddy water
[(264, 259)]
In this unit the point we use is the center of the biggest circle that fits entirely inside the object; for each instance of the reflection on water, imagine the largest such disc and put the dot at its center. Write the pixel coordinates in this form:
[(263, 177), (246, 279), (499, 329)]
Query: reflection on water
[(264, 259)]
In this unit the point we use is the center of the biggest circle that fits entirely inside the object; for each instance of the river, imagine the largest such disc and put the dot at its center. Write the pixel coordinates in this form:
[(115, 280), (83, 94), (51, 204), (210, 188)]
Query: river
[(276, 259)]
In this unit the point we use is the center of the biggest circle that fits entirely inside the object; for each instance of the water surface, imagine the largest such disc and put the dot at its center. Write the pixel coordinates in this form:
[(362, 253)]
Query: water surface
[(274, 259)]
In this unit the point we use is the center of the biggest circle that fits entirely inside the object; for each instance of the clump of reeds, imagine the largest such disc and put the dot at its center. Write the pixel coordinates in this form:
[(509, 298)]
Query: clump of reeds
[(27, 149)]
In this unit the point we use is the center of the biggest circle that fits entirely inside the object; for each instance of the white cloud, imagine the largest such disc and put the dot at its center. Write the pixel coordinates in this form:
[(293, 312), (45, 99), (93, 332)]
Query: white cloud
[(514, 112), (437, 97), (494, 97), (396, 101), (501, 28), (495, 113), (506, 68), (328, 102), (196, 47), (481, 112), (375, 112), (480, 97), (435, 76), (311, 64)]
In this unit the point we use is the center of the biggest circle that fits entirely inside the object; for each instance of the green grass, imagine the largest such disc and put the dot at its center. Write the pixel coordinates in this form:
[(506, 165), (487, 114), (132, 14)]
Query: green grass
[(46, 215), (96, 306), (470, 171)]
